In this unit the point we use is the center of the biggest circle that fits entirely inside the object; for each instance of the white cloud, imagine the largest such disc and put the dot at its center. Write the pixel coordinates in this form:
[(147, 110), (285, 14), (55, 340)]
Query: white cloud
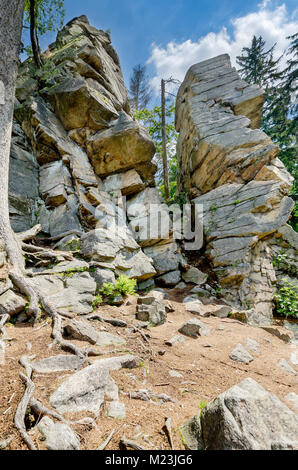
[(274, 24)]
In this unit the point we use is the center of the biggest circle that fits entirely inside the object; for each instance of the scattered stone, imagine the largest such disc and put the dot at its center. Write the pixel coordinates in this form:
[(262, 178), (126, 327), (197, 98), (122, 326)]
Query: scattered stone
[(165, 294), (58, 436), (252, 345), (191, 298), (170, 279), (175, 340), (181, 286), (195, 307), (200, 291), (5, 442), (149, 284), (116, 410), (240, 354), (194, 276), (169, 306), (174, 373), (194, 328), (276, 331), (283, 364), (117, 301), (221, 311), (11, 303), (294, 358), (152, 308)]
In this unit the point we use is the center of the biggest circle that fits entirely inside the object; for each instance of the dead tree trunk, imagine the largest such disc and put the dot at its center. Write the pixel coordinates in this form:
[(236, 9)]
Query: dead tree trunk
[(164, 140), (33, 35)]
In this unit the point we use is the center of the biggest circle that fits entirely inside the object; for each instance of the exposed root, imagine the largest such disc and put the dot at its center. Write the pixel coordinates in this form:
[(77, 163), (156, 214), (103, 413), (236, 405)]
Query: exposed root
[(46, 253), (26, 287), (37, 406), (111, 321), (57, 331), (3, 320), (29, 234), (19, 418)]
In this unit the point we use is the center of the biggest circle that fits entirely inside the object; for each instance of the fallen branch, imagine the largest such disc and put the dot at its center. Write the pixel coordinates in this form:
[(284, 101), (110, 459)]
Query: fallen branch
[(132, 444), (106, 442)]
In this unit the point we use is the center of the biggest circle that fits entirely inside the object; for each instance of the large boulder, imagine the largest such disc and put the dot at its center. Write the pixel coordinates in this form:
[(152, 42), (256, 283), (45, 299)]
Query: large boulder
[(245, 417), (121, 147)]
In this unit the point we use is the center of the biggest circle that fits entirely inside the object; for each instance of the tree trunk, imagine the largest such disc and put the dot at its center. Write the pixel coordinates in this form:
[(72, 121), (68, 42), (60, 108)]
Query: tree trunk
[(11, 20), (33, 35), (164, 141)]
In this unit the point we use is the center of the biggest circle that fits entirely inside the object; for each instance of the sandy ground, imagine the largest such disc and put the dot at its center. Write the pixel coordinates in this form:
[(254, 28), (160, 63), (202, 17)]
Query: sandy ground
[(204, 364)]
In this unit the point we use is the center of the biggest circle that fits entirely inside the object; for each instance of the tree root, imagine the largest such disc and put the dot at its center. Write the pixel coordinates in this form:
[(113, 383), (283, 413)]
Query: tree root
[(3, 320), (29, 234), (19, 418), (111, 321)]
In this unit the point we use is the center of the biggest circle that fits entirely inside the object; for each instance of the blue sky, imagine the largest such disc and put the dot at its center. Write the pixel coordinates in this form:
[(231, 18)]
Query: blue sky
[(173, 34)]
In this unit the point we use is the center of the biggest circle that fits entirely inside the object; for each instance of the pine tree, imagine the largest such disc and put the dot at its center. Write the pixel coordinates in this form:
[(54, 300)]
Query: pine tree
[(280, 109), (257, 66), (140, 90)]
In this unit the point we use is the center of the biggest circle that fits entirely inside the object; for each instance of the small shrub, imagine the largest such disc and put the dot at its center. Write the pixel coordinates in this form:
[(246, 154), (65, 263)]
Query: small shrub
[(96, 302), (202, 405), (123, 286), (287, 299)]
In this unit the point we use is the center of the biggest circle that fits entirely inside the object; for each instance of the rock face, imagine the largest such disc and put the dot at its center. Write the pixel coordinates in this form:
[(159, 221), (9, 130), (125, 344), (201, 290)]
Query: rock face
[(245, 417), (76, 154), (230, 168)]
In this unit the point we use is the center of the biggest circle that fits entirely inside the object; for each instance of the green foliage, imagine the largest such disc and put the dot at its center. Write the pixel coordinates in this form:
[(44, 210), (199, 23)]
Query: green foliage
[(123, 286), (49, 15), (287, 299), (279, 121), (97, 301), (202, 405), (151, 119)]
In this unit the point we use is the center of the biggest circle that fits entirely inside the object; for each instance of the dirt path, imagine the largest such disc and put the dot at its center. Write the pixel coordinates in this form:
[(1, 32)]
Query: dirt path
[(202, 369)]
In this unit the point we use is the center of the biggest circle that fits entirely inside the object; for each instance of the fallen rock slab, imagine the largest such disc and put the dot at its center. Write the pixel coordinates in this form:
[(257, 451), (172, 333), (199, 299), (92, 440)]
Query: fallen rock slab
[(86, 389)]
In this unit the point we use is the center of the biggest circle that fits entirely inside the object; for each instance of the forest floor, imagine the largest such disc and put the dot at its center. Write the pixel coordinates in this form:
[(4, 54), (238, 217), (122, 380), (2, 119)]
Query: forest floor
[(202, 368)]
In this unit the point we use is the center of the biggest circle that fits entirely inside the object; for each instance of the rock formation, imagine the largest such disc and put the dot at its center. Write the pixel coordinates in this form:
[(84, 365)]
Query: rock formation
[(231, 168), (76, 152)]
